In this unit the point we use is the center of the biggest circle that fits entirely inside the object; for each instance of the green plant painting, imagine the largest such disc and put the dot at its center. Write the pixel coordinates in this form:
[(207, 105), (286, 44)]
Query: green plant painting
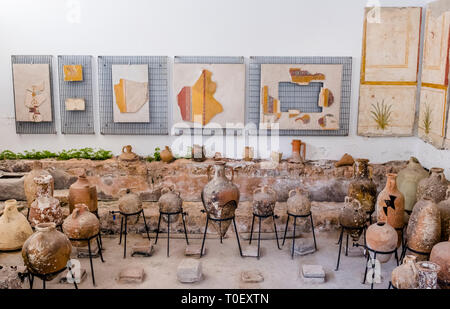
[(381, 114), (426, 122)]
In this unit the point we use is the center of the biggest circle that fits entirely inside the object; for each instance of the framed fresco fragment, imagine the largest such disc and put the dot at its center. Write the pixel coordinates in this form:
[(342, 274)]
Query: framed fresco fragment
[(130, 93), (389, 66), (209, 95), (73, 72)]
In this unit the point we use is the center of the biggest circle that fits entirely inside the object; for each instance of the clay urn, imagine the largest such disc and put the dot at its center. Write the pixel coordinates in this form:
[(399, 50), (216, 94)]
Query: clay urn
[(14, 227), (424, 227), (298, 151), (264, 200), (381, 237), (170, 202), (47, 251), (220, 196), (166, 155), (198, 153), (391, 206), (444, 210), (440, 254), (81, 224), (406, 276), (30, 186), (346, 160), (248, 153), (127, 154), (45, 207), (407, 181), (353, 216), (428, 274), (299, 202), (82, 192), (362, 186), (435, 186), (130, 203)]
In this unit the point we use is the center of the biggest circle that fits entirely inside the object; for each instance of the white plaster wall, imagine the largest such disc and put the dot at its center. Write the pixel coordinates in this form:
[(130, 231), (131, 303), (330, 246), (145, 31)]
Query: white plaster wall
[(193, 27)]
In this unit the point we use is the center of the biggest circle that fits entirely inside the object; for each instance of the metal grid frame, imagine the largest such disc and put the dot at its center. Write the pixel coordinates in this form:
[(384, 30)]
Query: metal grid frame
[(76, 122), (208, 60), (24, 127), (158, 94), (254, 86)]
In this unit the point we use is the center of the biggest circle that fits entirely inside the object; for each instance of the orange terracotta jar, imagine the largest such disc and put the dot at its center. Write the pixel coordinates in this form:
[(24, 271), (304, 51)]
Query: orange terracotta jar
[(298, 151), (81, 192), (128, 154), (81, 224)]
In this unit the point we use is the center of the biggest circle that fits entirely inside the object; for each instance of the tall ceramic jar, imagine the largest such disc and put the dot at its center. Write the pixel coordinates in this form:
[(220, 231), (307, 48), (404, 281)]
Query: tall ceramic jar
[(45, 207), (424, 227), (408, 179), (391, 206), (299, 202), (264, 200), (81, 224), (220, 196), (30, 186), (381, 237), (170, 202), (444, 210), (362, 186), (82, 192), (14, 227), (440, 254), (435, 186), (406, 276), (428, 274), (353, 216), (47, 250), (130, 203)]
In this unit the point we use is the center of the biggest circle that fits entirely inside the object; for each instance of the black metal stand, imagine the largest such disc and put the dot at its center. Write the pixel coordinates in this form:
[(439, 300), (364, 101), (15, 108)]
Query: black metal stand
[(124, 231), (168, 226), (346, 229), (46, 277), (391, 286), (401, 230), (259, 230), (369, 219), (295, 224), (375, 252), (220, 233), (406, 248), (100, 231), (90, 252)]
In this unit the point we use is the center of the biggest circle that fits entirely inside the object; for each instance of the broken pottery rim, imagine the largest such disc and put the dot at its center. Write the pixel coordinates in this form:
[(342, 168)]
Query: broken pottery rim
[(45, 227), (428, 266)]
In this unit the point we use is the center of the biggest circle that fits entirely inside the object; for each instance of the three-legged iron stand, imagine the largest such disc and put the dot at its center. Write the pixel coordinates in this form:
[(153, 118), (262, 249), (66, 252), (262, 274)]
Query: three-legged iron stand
[(295, 224), (346, 229), (168, 226), (48, 277), (406, 248), (100, 232), (259, 229), (369, 214), (124, 231), (90, 252), (220, 233)]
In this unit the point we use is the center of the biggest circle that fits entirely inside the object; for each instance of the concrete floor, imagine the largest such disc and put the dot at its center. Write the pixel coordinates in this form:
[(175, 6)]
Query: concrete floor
[(222, 265)]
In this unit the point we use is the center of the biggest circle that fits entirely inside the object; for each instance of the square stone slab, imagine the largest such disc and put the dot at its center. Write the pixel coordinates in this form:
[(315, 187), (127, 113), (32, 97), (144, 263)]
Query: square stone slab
[(63, 277), (252, 251), (83, 252), (313, 280), (313, 271), (304, 246), (132, 274), (251, 276), (194, 250), (189, 271), (142, 249)]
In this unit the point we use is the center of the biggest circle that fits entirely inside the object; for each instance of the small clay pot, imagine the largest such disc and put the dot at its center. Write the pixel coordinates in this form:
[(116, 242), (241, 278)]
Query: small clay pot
[(166, 155), (264, 201), (81, 224), (353, 216), (298, 151), (45, 207), (299, 203), (406, 276), (30, 186), (130, 203), (440, 254), (170, 202), (428, 274), (346, 160), (248, 153), (408, 179), (434, 187), (362, 186), (381, 237), (82, 192), (198, 153), (46, 251), (444, 210), (14, 227), (424, 227), (127, 154)]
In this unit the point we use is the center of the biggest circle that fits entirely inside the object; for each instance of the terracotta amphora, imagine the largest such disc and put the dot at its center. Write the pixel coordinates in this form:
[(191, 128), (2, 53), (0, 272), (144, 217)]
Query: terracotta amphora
[(299, 202), (248, 153), (440, 254), (128, 154), (220, 196), (264, 201), (198, 153), (424, 227), (428, 274), (81, 224), (14, 227), (408, 179), (47, 251), (298, 151), (170, 202), (130, 202), (435, 186), (30, 186), (166, 155), (381, 237), (406, 276), (444, 210), (82, 192), (45, 207), (353, 216), (362, 186)]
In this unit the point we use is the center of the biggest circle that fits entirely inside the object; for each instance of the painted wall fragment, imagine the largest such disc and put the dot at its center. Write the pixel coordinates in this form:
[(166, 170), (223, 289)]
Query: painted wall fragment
[(73, 73), (75, 104)]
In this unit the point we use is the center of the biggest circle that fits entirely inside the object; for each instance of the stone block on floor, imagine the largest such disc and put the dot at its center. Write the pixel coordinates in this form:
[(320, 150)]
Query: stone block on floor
[(189, 271), (313, 274), (132, 274), (252, 251), (194, 250), (251, 276), (142, 249), (83, 252), (304, 246)]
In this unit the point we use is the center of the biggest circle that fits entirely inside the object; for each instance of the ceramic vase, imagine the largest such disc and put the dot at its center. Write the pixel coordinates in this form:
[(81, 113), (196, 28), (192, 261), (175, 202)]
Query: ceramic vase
[(444, 211), (198, 153), (428, 274), (81, 224), (14, 227), (362, 186), (170, 202), (298, 151), (434, 186), (381, 237), (406, 276), (440, 254), (299, 202), (82, 192), (264, 201), (127, 154), (30, 187), (248, 153), (130, 203), (353, 216), (166, 155), (408, 179)]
